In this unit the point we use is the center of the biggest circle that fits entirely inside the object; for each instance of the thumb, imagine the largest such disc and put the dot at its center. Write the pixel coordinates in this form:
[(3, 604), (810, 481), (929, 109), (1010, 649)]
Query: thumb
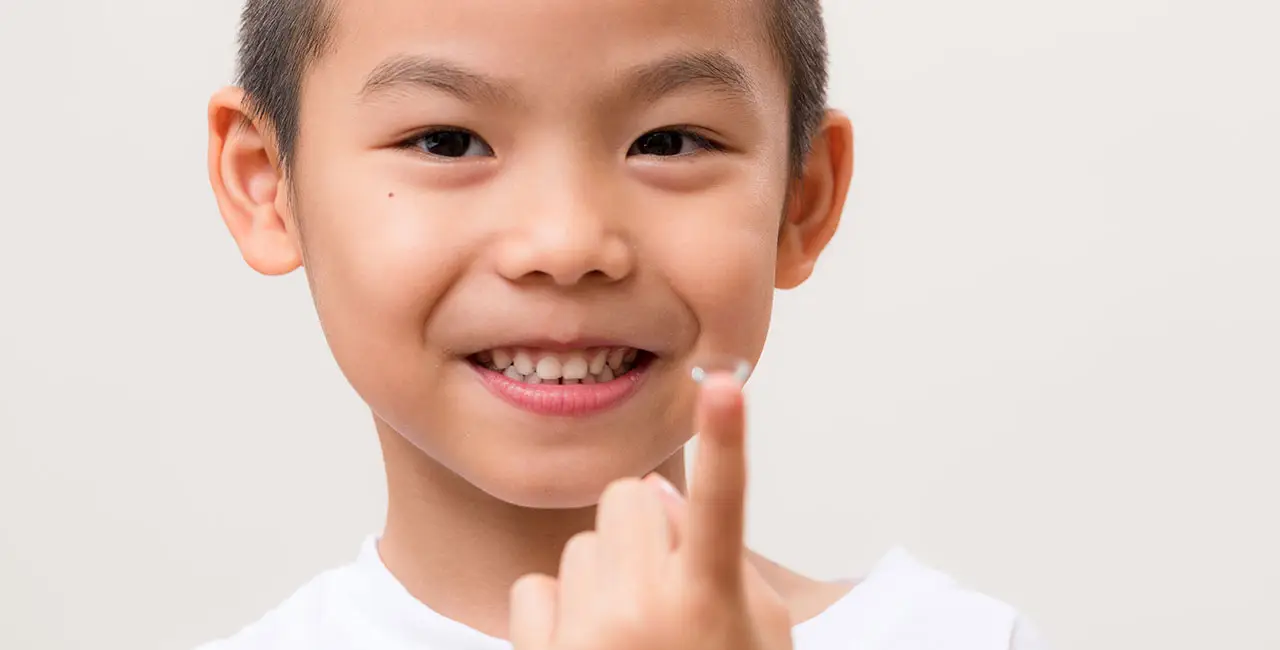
[(533, 612)]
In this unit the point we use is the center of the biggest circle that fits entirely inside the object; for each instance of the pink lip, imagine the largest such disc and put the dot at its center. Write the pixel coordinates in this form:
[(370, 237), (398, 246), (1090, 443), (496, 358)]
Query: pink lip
[(564, 401)]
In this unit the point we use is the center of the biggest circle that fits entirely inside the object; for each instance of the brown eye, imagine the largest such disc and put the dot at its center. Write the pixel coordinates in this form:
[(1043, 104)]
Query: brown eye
[(452, 143), (668, 143)]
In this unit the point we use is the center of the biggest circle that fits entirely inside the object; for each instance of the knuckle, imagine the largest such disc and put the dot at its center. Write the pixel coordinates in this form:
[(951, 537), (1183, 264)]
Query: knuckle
[(646, 612), (634, 619), (626, 621)]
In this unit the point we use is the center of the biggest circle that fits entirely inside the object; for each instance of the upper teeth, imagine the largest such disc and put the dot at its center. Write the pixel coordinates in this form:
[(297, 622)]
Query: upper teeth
[(596, 365)]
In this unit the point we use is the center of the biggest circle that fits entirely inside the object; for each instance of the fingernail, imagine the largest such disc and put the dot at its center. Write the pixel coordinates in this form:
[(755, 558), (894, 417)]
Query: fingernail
[(739, 369), (665, 485)]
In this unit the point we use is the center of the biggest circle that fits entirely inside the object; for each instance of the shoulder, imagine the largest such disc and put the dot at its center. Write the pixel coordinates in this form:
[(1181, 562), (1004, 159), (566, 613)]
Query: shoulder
[(906, 605), (964, 619), (313, 617)]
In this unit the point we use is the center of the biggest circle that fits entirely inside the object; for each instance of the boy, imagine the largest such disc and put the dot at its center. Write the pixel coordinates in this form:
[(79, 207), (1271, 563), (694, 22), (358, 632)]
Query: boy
[(525, 225)]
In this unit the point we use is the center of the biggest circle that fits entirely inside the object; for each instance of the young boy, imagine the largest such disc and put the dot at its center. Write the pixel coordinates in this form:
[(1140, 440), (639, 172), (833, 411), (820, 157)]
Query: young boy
[(526, 225)]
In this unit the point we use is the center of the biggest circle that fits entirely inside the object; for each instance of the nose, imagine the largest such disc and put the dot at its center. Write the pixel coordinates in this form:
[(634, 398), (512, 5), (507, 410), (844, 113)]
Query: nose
[(566, 237)]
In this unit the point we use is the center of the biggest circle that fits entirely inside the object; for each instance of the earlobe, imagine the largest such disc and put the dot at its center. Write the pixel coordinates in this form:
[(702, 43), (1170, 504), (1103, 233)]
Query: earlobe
[(247, 181), (816, 201)]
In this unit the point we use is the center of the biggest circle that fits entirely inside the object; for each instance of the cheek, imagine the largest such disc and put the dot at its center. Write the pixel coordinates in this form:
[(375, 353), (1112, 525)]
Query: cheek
[(720, 257), (371, 245), (378, 265)]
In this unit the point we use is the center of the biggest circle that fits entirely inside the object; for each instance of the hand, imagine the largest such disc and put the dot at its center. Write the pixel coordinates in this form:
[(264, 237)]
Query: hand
[(659, 573)]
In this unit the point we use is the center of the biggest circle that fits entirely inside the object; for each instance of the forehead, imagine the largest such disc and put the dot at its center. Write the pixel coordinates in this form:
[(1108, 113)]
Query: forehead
[(543, 47)]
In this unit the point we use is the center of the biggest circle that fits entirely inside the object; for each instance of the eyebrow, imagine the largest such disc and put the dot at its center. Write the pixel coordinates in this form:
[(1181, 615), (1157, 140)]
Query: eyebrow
[(715, 70), (647, 82), (427, 72)]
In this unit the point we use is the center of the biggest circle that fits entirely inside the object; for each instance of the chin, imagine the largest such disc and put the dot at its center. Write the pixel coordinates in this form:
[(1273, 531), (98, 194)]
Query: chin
[(533, 460), (554, 495), (485, 435), (564, 481)]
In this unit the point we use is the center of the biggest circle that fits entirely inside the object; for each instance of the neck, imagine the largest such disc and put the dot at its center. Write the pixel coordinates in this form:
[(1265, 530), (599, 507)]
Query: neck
[(458, 549)]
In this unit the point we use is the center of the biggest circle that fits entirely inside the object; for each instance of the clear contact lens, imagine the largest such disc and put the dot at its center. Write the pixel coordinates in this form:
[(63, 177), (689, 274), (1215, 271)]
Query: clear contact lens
[(739, 368)]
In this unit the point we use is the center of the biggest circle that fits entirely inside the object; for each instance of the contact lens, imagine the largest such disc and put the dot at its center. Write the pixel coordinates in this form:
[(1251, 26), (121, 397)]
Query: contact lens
[(739, 368)]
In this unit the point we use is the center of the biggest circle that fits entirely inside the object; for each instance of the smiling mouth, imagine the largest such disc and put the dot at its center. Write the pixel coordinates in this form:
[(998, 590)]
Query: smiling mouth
[(590, 366), (572, 383)]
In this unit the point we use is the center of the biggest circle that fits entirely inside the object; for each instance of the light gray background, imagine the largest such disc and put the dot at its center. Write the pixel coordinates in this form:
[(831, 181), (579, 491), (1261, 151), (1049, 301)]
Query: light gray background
[(1042, 352)]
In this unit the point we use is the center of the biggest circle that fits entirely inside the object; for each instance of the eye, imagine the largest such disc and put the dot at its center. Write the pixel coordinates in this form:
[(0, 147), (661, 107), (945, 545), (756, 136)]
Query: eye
[(671, 142), (450, 143)]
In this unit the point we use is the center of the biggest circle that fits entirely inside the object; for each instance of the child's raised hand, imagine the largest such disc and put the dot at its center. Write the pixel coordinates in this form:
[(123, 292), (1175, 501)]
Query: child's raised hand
[(659, 573)]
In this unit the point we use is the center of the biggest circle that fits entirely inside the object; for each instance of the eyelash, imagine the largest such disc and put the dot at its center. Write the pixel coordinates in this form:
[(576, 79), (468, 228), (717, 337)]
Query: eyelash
[(411, 143), (705, 143), (701, 141)]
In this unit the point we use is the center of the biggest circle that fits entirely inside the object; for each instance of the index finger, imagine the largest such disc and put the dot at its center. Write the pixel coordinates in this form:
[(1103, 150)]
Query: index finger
[(717, 499)]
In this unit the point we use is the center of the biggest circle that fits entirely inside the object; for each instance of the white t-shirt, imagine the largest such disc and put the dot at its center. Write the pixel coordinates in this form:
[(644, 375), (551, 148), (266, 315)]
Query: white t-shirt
[(901, 605)]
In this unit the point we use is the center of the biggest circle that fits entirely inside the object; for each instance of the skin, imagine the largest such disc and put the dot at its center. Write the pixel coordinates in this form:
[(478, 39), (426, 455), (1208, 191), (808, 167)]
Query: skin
[(557, 230), (660, 572)]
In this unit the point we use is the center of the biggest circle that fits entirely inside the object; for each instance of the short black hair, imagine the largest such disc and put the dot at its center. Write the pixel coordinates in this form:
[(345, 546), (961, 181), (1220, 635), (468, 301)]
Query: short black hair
[(279, 39)]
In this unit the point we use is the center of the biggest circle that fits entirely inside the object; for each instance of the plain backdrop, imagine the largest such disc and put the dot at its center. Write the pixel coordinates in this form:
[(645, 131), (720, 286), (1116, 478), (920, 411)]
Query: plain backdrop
[(1042, 352)]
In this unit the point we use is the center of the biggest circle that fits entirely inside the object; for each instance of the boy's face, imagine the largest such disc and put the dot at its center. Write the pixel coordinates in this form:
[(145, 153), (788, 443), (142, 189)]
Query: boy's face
[(555, 176)]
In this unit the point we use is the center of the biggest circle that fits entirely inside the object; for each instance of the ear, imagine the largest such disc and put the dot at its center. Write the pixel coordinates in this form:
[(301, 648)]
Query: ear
[(816, 201), (250, 187)]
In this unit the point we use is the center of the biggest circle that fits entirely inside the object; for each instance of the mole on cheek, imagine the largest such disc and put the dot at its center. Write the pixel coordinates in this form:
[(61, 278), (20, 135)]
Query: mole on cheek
[(391, 195)]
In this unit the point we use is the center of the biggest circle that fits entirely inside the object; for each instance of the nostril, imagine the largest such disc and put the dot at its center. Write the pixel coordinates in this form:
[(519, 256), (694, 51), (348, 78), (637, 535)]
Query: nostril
[(540, 278), (594, 276), (564, 258)]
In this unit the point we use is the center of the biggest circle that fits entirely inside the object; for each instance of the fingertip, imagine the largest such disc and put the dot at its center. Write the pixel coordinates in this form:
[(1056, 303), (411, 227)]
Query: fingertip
[(664, 487), (673, 503), (533, 611), (532, 585), (722, 391)]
